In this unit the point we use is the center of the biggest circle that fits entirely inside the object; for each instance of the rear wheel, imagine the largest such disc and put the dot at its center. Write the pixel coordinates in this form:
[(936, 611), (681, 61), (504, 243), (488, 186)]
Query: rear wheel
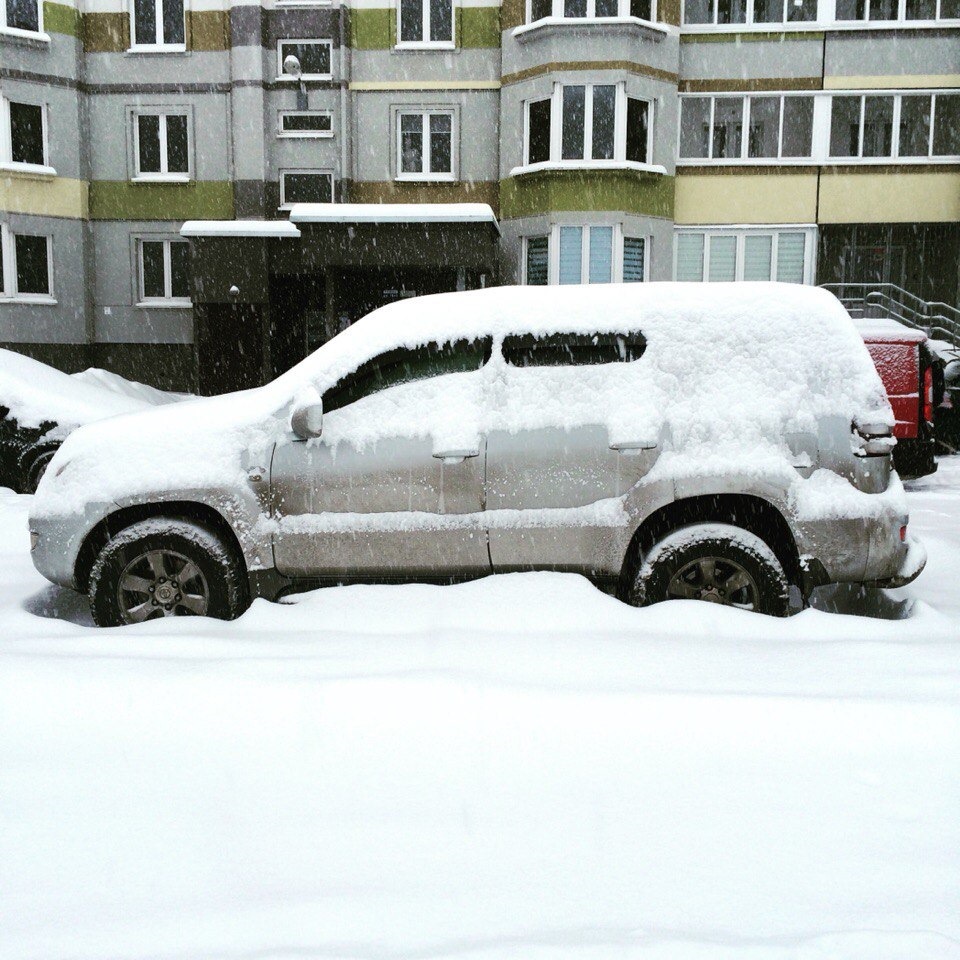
[(166, 568), (715, 562), (33, 467)]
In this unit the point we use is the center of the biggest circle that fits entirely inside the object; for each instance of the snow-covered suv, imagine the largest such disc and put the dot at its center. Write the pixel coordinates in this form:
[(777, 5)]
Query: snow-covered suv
[(667, 440)]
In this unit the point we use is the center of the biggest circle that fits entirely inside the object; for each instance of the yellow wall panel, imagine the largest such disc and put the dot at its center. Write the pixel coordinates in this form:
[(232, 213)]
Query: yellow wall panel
[(59, 197), (890, 197), (746, 198)]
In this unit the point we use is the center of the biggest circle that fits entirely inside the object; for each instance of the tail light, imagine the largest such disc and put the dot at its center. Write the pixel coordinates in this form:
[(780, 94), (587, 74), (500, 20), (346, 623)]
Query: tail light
[(872, 439), (928, 394)]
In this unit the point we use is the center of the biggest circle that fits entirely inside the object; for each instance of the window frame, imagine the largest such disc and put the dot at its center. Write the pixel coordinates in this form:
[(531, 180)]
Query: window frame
[(425, 113), (288, 205), (426, 44), (162, 112), (304, 134), (7, 163), (618, 161), (155, 47), (168, 300), (741, 232), (9, 292), (316, 41), (557, 14), (825, 16), (618, 236), (38, 34)]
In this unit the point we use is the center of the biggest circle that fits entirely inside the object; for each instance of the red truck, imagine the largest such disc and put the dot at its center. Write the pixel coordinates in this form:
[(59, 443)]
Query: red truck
[(908, 369)]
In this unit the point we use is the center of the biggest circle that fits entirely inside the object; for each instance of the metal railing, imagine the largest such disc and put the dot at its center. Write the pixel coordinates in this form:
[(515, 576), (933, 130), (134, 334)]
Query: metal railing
[(938, 320)]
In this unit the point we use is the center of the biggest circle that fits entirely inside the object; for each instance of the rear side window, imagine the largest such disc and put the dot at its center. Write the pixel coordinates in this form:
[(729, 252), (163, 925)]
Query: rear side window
[(572, 349), (406, 365)]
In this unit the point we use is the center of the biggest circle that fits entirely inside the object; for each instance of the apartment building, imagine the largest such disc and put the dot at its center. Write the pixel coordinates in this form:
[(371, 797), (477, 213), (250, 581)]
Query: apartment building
[(196, 193)]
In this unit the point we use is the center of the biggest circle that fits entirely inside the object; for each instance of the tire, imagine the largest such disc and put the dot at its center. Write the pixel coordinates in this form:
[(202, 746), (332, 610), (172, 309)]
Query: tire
[(163, 567), (700, 562), (32, 464)]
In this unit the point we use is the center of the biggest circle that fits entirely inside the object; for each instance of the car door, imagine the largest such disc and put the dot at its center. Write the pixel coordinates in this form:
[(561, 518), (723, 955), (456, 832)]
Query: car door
[(394, 486), (553, 487)]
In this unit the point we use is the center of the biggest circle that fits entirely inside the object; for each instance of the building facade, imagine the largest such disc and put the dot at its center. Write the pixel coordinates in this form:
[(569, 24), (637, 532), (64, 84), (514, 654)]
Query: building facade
[(167, 166)]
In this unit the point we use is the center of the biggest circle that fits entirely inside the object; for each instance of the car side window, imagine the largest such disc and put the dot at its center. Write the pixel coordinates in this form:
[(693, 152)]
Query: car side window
[(572, 349), (405, 365)]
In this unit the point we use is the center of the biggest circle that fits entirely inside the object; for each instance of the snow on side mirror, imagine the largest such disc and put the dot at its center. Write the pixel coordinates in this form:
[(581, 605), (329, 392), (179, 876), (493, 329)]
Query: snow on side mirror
[(306, 420)]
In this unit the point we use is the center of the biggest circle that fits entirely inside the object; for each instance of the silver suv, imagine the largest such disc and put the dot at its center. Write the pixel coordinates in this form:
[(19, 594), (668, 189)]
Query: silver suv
[(669, 441)]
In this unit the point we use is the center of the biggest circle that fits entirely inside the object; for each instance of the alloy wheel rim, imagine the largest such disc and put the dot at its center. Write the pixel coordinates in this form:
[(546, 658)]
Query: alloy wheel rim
[(162, 583), (714, 580)]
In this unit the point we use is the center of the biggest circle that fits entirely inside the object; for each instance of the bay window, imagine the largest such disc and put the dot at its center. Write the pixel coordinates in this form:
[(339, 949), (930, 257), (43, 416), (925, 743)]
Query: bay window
[(158, 23), (590, 9), (425, 145), (582, 124), (26, 267), (23, 135), (784, 254), (584, 253), (425, 23)]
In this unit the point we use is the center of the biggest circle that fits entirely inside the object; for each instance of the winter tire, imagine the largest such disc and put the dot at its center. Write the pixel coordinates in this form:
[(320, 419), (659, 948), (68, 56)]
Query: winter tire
[(32, 464), (163, 567), (715, 562)]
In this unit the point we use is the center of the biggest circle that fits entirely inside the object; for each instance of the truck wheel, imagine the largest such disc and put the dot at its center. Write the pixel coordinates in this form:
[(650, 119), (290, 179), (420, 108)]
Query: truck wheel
[(716, 562), (164, 567)]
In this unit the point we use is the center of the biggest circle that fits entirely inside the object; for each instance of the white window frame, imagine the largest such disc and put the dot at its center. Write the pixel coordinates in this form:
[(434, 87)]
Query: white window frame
[(826, 16), (287, 205), (424, 43), (618, 161), (163, 176), (156, 46), (616, 261), (38, 34), (318, 41), (7, 163), (557, 13), (304, 134), (167, 300), (9, 293), (425, 113), (741, 232)]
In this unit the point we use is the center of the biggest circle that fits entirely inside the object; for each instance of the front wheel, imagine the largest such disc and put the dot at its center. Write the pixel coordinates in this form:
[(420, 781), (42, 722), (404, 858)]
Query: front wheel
[(163, 567), (715, 562)]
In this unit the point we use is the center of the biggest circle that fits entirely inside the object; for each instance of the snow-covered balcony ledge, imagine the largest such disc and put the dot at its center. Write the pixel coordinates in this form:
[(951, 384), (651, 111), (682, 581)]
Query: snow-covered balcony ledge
[(556, 166), (551, 26), (282, 229), (29, 171), (27, 37), (408, 213)]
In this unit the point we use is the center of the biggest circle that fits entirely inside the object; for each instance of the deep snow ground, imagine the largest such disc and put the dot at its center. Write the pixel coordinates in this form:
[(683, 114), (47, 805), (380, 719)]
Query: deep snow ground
[(519, 767)]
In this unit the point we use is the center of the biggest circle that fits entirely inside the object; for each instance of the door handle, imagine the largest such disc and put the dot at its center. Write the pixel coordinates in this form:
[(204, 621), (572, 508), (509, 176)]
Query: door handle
[(456, 456), (634, 446)]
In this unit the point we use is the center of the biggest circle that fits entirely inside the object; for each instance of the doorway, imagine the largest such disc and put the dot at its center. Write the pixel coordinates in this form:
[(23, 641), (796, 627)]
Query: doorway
[(230, 347)]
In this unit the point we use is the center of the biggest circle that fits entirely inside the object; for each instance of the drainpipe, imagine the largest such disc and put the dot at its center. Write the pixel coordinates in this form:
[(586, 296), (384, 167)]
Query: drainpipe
[(345, 64)]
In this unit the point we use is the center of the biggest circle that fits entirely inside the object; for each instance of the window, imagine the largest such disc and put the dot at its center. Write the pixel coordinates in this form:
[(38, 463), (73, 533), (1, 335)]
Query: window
[(164, 272), (572, 349), (736, 12), (314, 56), (162, 146), (405, 366), (23, 134), (25, 266), (425, 145), (305, 123), (584, 254), (736, 128), (425, 22), (305, 186), (904, 10), (784, 254), (908, 125), (589, 9), (158, 23), (21, 15), (587, 123)]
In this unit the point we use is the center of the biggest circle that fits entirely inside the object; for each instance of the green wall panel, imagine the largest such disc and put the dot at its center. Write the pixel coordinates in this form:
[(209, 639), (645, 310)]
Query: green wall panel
[(121, 200), (58, 18), (374, 28)]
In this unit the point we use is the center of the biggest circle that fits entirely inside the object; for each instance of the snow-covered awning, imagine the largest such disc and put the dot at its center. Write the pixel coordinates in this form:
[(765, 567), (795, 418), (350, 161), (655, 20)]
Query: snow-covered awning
[(239, 228), (393, 213)]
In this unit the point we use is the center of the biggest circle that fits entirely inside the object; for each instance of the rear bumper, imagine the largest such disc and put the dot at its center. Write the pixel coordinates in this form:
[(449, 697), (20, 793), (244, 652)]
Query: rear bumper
[(911, 566)]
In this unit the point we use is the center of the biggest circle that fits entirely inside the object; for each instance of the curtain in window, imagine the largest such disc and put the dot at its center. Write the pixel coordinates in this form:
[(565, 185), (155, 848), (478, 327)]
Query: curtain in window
[(723, 258), (633, 257), (790, 249), (756, 257), (537, 261), (601, 254), (690, 256), (571, 254)]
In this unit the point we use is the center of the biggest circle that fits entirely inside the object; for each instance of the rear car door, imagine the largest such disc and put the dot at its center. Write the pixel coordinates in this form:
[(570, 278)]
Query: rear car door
[(553, 488), (394, 486)]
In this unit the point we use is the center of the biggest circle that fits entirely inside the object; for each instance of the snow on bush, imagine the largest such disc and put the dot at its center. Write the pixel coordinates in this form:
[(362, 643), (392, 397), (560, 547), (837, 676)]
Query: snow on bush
[(727, 372)]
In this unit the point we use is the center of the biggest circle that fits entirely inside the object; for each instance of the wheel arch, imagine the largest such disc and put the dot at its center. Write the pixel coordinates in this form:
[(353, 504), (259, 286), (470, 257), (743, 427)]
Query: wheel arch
[(750, 512), (123, 517)]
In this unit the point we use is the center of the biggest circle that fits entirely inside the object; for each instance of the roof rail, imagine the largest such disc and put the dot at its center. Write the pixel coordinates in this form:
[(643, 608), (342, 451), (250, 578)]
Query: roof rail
[(938, 320)]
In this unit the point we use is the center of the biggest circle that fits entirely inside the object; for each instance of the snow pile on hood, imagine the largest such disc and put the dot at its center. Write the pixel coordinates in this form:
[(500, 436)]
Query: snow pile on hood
[(113, 382), (727, 372)]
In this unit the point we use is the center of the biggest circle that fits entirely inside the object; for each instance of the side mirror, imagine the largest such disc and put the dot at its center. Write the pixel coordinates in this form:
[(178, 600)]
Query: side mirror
[(306, 420)]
